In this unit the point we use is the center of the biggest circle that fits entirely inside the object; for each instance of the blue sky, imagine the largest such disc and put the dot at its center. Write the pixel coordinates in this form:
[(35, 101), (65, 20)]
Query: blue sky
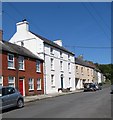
[(84, 28)]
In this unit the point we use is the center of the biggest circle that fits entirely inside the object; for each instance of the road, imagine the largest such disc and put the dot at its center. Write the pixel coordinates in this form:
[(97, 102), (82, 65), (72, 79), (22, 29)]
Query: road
[(78, 105)]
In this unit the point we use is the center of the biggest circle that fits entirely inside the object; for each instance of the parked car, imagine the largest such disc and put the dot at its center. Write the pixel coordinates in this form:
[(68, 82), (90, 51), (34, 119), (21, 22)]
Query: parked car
[(10, 97), (111, 89), (89, 87), (98, 87)]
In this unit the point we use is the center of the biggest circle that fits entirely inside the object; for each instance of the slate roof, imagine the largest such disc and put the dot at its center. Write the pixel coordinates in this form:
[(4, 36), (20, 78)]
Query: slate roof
[(83, 63), (16, 49), (52, 43)]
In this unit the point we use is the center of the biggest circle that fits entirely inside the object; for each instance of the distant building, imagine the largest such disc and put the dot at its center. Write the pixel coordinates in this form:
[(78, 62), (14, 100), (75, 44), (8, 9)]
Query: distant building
[(84, 73), (59, 63)]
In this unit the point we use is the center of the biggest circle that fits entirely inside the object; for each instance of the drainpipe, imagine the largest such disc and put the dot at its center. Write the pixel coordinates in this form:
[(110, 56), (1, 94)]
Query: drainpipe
[(44, 72), (17, 72)]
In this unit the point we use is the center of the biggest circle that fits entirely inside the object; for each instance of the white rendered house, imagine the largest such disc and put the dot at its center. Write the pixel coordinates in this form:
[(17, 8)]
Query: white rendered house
[(59, 63)]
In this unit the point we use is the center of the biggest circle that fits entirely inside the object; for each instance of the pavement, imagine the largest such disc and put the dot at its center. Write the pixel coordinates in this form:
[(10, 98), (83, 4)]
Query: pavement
[(45, 96)]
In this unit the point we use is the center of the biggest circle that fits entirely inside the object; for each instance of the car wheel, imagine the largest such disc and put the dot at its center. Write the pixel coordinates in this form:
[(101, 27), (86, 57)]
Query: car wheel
[(20, 103)]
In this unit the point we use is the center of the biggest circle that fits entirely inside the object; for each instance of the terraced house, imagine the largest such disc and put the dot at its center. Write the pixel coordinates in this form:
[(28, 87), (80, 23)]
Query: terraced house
[(86, 72), (21, 68), (59, 63)]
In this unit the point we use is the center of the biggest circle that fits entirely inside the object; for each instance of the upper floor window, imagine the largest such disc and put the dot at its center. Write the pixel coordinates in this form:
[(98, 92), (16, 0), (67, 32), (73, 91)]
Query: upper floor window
[(31, 84), (69, 67), (39, 84), (10, 61), (82, 70), (88, 72), (52, 80), (21, 63), (52, 64), (61, 55), (11, 81), (51, 51), (68, 57), (38, 66), (61, 65), (1, 80)]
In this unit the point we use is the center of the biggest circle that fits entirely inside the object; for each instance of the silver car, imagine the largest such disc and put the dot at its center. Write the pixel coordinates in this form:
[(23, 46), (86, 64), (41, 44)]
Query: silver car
[(10, 97)]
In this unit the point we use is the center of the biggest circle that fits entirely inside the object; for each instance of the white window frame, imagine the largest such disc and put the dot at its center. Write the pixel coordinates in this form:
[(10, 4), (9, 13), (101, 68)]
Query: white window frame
[(52, 64), (11, 82), (52, 80), (38, 65), (32, 83), (1, 82), (11, 61), (23, 63), (39, 83)]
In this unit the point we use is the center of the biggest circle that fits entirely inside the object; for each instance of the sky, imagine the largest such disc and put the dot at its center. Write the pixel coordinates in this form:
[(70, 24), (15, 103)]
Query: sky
[(83, 27)]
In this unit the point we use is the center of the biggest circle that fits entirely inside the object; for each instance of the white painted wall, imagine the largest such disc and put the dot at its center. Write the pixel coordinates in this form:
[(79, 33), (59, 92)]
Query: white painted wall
[(36, 45), (99, 77)]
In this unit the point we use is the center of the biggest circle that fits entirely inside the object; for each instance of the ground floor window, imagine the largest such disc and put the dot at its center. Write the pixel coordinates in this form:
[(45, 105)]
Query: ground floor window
[(39, 84), (31, 84), (1, 80), (11, 81)]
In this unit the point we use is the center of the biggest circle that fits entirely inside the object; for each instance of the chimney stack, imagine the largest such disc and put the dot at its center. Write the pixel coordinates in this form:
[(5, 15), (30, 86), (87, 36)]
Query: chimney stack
[(22, 26), (1, 35)]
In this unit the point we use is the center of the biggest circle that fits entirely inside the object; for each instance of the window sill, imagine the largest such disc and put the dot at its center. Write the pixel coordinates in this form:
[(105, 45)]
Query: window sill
[(30, 90), (11, 68), (39, 89), (22, 69), (53, 86), (38, 71), (52, 54)]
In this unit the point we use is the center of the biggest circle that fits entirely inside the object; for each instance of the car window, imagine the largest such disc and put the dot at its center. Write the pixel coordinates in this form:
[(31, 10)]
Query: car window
[(10, 90)]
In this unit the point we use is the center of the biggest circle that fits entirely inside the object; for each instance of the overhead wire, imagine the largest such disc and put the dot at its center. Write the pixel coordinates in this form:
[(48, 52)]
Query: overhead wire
[(26, 17), (95, 20)]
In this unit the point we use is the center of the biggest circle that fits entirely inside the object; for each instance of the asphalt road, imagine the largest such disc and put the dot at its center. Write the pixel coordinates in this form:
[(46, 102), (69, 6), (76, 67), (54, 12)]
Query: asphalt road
[(79, 105)]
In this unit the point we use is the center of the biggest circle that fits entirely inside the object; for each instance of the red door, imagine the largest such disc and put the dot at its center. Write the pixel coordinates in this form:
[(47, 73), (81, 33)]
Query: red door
[(21, 86)]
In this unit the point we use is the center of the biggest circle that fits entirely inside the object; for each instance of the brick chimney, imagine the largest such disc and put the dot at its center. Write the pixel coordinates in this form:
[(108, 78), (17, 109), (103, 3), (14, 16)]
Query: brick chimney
[(1, 35)]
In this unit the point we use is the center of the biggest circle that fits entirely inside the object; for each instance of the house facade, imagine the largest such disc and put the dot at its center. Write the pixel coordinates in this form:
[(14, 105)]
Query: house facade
[(84, 73), (21, 69), (59, 63)]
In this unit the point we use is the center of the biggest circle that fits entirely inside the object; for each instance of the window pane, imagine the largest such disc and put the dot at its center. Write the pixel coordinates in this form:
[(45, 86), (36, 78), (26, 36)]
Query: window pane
[(0, 79), (10, 64), (39, 83), (10, 57)]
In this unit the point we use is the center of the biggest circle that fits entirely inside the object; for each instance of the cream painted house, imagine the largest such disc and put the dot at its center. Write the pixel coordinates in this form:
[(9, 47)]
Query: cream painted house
[(84, 73)]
